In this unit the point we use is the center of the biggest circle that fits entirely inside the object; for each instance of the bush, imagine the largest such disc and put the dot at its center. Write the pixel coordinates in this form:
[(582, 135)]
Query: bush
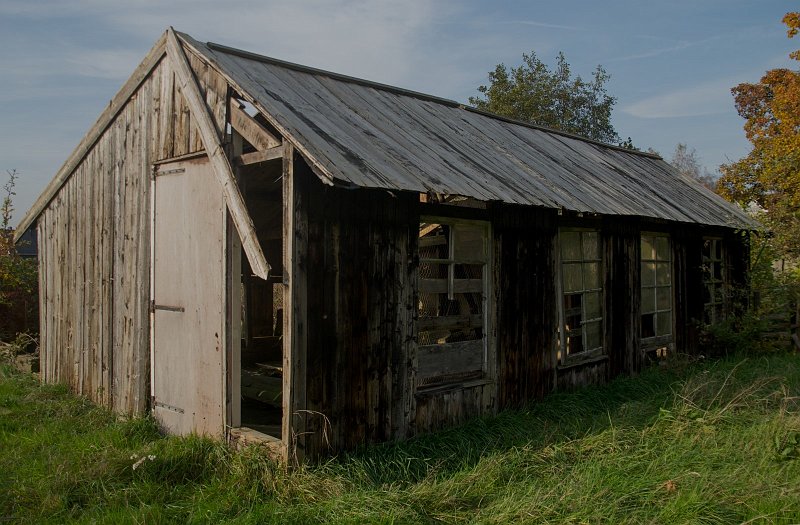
[(19, 302)]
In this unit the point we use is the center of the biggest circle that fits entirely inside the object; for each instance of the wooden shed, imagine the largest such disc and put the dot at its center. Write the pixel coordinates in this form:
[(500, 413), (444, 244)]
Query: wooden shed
[(251, 248)]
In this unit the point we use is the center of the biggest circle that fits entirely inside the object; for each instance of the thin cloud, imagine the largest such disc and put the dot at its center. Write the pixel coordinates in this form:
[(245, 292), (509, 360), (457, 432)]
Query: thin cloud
[(541, 24), (711, 98), (679, 46)]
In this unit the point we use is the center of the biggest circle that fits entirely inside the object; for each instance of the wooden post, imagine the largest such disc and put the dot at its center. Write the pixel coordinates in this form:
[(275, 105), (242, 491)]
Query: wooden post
[(295, 241)]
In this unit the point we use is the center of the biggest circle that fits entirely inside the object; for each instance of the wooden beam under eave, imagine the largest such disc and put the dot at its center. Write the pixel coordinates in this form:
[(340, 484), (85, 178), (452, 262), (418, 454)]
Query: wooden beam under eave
[(259, 156), (216, 153), (252, 130)]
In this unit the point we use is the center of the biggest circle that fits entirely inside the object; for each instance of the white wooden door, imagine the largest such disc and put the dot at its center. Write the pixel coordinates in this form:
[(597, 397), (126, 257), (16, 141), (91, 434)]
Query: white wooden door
[(188, 340)]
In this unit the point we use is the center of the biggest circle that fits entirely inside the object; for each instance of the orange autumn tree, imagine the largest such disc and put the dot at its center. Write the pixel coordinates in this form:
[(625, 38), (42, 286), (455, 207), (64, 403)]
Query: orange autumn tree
[(770, 174)]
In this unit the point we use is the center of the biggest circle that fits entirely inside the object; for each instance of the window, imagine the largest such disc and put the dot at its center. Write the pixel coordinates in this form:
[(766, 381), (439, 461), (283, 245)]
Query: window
[(713, 281), (582, 306), (656, 280), (453, 258)]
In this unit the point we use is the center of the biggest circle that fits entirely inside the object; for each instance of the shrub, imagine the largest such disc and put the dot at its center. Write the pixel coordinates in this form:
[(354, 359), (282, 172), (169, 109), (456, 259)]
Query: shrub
[(19, 302)]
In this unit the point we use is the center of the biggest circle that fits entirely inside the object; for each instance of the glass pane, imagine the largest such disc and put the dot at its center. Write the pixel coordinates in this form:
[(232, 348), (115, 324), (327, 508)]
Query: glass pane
[(664, 298), (570, 246), (662, 248), (648, 274), (593, 335), (593, 309), (572, 277), (591, 275), (590, 245), (433, 241), (469, 243), (647, 247), (717, 250), (663, 273), (664, 323), (648, 300)]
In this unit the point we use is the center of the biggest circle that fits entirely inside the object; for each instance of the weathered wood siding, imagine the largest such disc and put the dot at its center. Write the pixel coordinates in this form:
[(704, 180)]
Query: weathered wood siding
[(361, 314), (95, 244), (527, 317)]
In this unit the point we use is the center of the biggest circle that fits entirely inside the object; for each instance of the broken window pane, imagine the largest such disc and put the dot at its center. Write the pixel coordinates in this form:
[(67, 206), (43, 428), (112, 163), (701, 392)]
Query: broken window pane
[(581, 283), (452, 280)]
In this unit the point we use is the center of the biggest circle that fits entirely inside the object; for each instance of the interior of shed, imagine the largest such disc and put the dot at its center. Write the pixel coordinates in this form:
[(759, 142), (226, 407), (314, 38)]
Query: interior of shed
[(262, 304)]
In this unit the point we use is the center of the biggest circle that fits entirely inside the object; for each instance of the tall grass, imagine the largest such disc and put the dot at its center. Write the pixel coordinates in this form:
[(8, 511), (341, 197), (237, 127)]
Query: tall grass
[(712, 442)]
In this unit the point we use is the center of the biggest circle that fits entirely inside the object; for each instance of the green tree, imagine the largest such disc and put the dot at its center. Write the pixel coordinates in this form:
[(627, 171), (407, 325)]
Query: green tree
[(531, 92), (769, 175)]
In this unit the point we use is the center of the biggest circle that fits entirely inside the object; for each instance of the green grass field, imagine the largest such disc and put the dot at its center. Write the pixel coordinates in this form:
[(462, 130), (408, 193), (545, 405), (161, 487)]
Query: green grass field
[(712, 442)]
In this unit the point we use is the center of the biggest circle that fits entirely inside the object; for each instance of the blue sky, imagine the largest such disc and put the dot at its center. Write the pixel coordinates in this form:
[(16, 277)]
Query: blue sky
[(672, 63)]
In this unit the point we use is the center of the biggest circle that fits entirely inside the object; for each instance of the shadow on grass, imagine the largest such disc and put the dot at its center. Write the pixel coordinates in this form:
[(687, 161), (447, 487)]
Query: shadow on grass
[(625, 403)]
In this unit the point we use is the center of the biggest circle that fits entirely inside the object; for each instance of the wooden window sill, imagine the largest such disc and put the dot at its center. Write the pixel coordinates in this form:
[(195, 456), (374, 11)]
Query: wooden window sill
[(440, 389), (577, 361)]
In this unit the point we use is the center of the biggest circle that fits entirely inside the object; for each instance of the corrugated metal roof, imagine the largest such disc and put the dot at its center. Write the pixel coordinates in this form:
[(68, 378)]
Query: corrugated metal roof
[(377, 136)]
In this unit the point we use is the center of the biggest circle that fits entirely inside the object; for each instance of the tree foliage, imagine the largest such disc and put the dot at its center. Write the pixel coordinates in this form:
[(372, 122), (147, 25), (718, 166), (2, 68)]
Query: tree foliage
[(770, 174), (18, 276), (533, 93), (688, 164)]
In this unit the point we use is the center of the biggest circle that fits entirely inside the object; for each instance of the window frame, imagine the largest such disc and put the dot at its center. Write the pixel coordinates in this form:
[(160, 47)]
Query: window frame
[(722, 281), (593, 354), (487, 302), (664, 341)]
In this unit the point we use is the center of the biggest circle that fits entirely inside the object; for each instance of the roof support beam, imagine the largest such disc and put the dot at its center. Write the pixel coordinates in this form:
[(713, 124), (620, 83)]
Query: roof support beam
[(260, 156), (216, 153), (252, 131)]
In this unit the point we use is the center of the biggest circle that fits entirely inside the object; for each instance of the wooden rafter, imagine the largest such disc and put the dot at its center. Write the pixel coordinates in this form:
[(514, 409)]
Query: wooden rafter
[(213, 146), (252, 130), (260, 156)]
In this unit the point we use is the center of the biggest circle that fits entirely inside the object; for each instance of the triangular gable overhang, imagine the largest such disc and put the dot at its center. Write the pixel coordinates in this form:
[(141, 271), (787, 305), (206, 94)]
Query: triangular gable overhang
[(171, 48), (316, 166)]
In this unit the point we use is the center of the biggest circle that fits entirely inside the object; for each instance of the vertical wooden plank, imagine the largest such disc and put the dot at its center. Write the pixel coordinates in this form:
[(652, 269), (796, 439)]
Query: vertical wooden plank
[(142, 236), (118, 375), (295, 228), (42, 282), (107, 265), (72, 267), (233, 285), (234, 315), (167, 115)]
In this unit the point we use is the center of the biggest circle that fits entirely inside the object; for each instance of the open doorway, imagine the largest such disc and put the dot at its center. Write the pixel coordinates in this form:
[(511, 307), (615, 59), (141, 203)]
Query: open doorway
[(260, 367)]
